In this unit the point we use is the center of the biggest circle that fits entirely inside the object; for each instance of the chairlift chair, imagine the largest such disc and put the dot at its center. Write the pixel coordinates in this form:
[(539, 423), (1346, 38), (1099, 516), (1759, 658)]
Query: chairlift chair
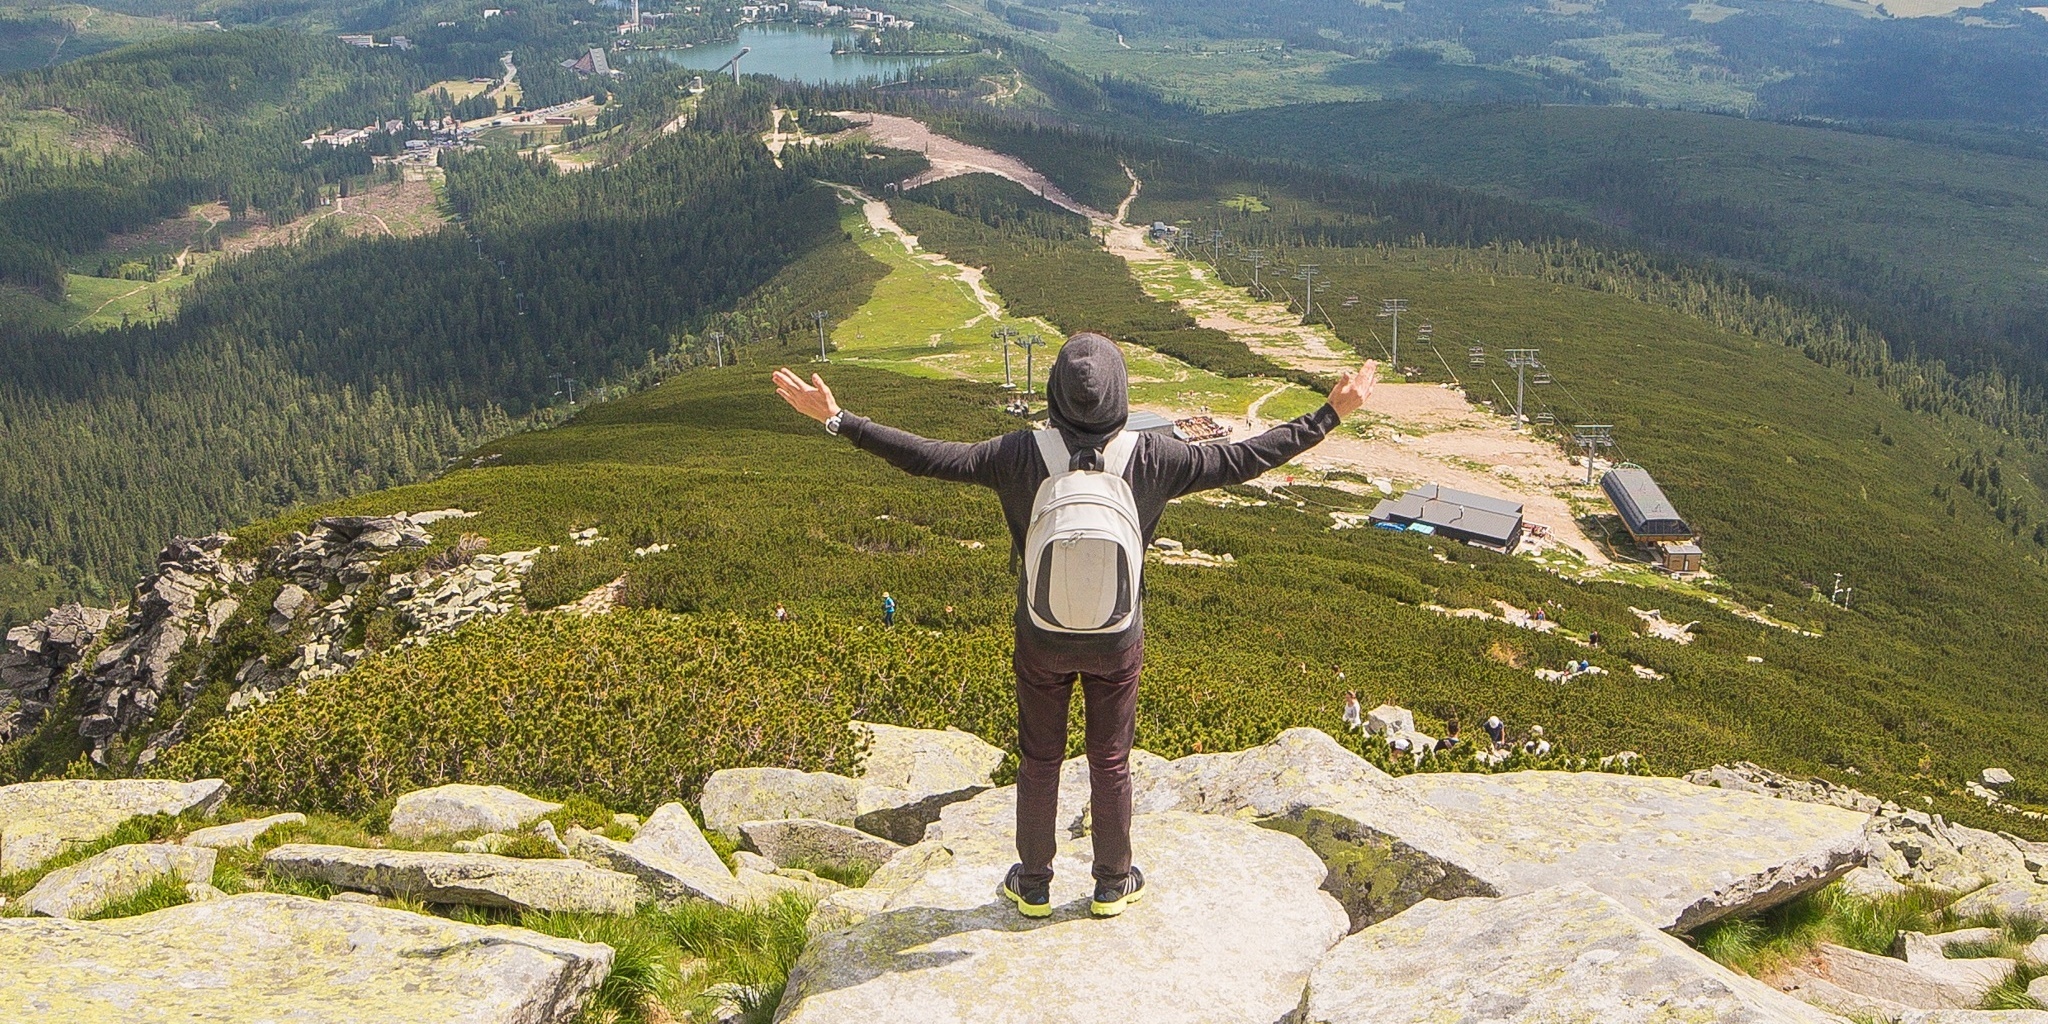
[(1477, 355), (1541, 377)]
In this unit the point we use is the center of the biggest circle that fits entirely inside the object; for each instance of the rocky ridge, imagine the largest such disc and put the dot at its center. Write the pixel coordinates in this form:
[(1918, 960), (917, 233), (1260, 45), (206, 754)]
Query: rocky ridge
[(1289, 882)]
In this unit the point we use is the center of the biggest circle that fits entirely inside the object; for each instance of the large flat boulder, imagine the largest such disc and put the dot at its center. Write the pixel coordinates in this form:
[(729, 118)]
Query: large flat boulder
[(2008, 899), (907, 775), (39, 820), (1676, 854), (671, 832), (1383, 849), (1230, 927), (476, 879), (266, 957), (735, 795), (460, 807), (241, 834), (114, 875), (800, 841), (1566, 953), (666, 878), (1852, 981)]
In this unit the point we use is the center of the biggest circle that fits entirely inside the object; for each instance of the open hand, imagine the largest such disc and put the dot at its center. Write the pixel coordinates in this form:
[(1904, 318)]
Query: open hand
[(1350, 393), (814, 399)]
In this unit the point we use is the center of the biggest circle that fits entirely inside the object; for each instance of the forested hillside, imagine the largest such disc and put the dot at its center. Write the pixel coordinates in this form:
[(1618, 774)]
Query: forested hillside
[(342, 365)]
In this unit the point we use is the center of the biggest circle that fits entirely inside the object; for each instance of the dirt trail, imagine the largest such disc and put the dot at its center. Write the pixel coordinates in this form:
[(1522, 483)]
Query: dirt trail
[(882, 222), (951, 158), (1417, 433)]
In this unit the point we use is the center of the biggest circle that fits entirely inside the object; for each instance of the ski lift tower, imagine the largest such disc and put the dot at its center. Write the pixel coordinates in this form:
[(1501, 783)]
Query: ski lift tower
[(1523, 360), (1592, 437), (1307, 273), (1004, 335), (1029, 343), (1394, 308), (818, 317)]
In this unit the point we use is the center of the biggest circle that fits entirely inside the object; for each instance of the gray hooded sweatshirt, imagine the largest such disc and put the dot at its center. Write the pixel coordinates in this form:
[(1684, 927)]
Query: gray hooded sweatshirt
[(1089, 403)]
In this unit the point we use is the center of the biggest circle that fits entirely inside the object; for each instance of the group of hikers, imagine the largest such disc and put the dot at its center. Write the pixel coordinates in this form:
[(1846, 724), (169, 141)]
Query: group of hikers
[(1082, 497), (1497, 745)]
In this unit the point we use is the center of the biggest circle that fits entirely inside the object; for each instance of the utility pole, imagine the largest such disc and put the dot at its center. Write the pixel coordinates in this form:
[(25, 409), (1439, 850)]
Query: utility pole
[(1592, 437), (1257, 258), (1029, 342), (1216, 248), (818, 317), (572, 391), (1307, 273), (717, 341), (1521, 359), (1394, 308), (1004, 335)]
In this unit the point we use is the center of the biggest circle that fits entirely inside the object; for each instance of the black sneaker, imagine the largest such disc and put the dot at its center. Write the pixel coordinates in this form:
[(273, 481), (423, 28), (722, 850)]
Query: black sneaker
[(1112, 897), (1032, 900)]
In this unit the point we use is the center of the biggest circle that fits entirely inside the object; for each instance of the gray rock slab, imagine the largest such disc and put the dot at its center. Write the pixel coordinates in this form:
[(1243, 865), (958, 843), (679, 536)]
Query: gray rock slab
[(460, 807), (1959, 986), (39, 820), (476, 879), (666, 879), (735, 795), (1676, 854), (114, 875), (908, 775), (268, 957), (1566, 953), (1871, 884), (1919, 948), (2012, 899), (795, 841), (1383, 848), (241, 834), (1231, 925), (672, 833)]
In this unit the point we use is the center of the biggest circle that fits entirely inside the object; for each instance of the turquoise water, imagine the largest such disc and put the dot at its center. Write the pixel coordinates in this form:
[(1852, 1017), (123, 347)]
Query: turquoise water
[(796, 52)]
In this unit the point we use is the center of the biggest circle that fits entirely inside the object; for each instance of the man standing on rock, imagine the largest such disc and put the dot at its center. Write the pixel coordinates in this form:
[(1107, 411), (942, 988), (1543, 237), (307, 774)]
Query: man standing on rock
[(1079, 605)]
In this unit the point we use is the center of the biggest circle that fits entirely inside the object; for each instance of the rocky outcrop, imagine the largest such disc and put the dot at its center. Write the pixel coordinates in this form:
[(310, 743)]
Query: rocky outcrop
[(907, 775), (132, 674), (242, 834), (1383, 848), (114, 875), (1865, 984), (800, 841), (39, 820), (1566, 953), (735, 795), (1677, 855), (286, 958), (475, 879), (1745, 777), (761, 880), (1228, 935), (459, 807), (36, 657), (1927, 849), (666, 874), (2007, 899)]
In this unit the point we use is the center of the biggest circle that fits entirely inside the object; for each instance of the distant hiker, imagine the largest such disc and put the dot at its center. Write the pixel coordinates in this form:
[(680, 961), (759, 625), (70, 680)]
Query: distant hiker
[(1082, 500), (781, 613), (1496, 731), (1450, 740), (1593, 638), (1352, 717), (1539, 615), (888, 609), (1536, 745)]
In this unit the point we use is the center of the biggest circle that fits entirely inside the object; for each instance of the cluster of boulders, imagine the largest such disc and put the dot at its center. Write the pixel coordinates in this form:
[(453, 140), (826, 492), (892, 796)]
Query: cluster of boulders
[(1288, 882), (36, 656), (185, 600), (1173, 552), (196, 591)]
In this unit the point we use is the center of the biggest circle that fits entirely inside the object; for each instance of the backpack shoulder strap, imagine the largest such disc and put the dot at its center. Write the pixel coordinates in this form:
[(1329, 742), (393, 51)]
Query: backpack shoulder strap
[(1053, 450), (1117, 454)]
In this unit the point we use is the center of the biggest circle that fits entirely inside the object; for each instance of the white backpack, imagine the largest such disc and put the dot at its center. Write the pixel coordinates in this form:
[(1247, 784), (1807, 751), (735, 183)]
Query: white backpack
[(1084, 552)]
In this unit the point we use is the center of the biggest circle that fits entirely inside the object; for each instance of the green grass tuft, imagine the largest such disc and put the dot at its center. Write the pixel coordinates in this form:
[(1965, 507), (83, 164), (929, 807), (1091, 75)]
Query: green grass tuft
[(166, 891)]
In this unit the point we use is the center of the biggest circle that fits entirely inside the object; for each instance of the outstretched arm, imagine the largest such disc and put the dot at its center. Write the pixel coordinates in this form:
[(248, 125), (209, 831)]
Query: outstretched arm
[(1222, 465), (919, 456)]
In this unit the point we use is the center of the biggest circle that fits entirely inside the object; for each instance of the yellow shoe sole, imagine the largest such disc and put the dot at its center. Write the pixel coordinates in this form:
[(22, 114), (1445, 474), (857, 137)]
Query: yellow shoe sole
[(1027, 909), (1114, 907)]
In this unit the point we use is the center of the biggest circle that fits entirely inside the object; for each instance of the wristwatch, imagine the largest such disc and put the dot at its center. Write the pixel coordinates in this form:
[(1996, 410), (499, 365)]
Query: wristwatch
[(832, 425)]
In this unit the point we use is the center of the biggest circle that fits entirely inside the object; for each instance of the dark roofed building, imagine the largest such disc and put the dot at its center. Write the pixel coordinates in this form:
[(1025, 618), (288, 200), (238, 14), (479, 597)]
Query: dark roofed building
[(1150, 423), (1645, 511), (1458, 515)]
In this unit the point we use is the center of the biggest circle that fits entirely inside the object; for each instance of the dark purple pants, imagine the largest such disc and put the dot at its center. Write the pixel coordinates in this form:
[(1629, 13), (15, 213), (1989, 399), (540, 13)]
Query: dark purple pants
[(1109, 693)]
